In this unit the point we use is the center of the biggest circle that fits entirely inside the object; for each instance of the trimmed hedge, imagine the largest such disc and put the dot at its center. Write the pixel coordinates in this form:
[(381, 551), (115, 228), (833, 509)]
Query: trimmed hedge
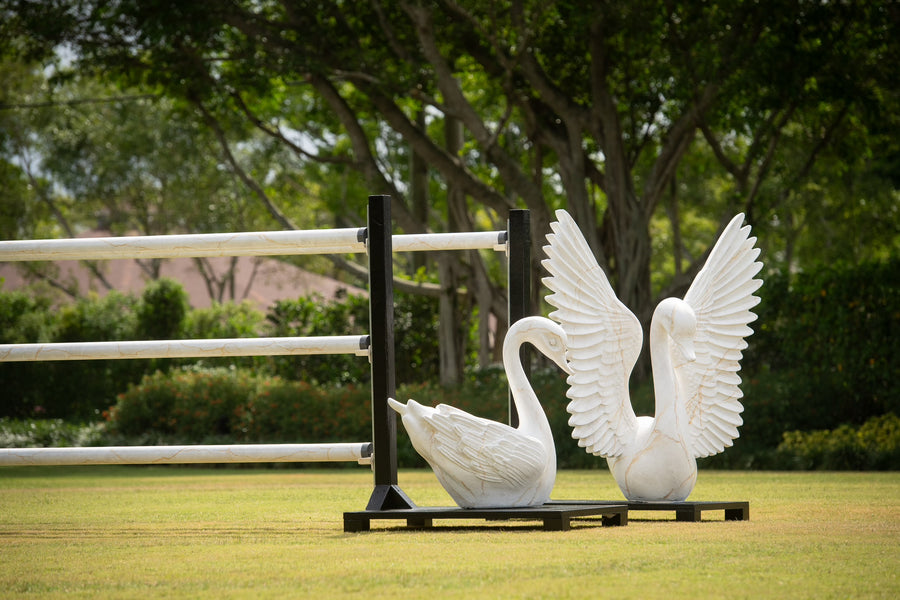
[(197, 405), (875, 445), (825, 352), (823, 356), (45, 390)]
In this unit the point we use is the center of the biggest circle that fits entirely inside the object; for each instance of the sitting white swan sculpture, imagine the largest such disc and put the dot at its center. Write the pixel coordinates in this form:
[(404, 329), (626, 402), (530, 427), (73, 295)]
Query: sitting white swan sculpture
[(695, 346), (485, 464)]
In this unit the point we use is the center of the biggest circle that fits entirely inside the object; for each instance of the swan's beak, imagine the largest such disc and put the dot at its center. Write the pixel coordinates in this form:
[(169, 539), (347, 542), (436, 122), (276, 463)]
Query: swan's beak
[(560, 359), (397, 406)]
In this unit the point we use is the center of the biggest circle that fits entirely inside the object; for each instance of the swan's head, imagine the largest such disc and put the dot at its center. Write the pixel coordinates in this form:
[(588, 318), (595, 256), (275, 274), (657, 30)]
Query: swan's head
[(545, 335), (677, 318)]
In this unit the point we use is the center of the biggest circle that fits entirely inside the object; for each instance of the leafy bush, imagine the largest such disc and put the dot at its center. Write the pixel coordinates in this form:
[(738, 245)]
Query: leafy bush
[(825, 350), (296, 412), (162, 310), (231, 405), (823, 355), (190, 405), (315, 316), (49, 433), (25, 319), (415, 335), (45, 389), (873, 445), (198, 405), (228, 320), (76, 390)]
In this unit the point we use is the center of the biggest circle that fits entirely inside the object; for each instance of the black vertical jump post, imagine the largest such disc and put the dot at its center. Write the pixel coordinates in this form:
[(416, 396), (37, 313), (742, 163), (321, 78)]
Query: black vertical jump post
[(519, 285), (387, 494)]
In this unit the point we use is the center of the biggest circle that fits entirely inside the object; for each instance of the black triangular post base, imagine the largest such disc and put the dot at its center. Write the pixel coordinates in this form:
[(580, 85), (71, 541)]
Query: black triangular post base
[(389, 497)]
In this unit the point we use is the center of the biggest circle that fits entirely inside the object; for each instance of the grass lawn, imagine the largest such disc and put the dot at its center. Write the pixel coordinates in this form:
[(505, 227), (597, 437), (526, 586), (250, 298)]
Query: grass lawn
[(162, 532)]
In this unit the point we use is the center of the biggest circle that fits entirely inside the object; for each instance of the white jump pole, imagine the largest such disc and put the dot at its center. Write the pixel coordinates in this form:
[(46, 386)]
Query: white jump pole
[(270, 243), (264, 243), (329, 241), (425, 242), (171, 455), (274, 346)]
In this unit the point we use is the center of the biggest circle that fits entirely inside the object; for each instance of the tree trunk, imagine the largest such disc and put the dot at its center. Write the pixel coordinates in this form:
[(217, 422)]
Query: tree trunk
[(450, 337), (418, 194)]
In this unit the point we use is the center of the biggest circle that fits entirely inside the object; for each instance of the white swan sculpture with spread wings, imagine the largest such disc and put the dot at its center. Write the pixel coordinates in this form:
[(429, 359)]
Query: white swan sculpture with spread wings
[(695, 349), (483, 463)]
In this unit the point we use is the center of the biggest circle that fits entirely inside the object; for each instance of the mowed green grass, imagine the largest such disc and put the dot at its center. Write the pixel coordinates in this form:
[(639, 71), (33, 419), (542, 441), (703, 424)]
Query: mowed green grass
[(157, 532)]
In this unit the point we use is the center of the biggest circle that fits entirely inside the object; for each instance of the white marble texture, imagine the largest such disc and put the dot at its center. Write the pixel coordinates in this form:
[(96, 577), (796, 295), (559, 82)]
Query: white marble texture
[(145, 455), (695, 347), (250, 243), (275, 346), (261, 243), (485, 464)]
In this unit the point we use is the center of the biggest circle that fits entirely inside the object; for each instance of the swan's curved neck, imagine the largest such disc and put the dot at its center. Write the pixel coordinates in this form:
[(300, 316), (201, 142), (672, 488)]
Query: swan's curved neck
[(664, 383), (531, 415)]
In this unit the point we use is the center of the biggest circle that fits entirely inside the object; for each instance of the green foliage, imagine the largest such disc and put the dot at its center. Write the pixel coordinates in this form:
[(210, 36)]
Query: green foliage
[(227, 320), (44, 389), (49, 433), (823, 355), (96, 319), (415, 336), (416, 339), (232, 405), (25, 318), (314, 316), (185, 405), (162, 310), (875, 445), (826, 346), (69, 389), (297, 412), (81, 389), (224, 320)]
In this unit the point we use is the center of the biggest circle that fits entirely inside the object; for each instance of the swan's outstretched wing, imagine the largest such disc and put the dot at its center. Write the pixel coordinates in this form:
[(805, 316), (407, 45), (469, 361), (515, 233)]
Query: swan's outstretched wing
[(604, 340), (721, 296), (489, 450)]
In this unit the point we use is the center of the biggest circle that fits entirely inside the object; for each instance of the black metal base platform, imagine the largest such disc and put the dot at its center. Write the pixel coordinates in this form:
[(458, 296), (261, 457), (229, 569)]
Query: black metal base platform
[(556, 516), (684, 511)]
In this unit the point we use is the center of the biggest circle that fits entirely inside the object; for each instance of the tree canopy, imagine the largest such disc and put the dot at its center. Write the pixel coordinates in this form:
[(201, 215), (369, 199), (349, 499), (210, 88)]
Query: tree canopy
[(651, 121)]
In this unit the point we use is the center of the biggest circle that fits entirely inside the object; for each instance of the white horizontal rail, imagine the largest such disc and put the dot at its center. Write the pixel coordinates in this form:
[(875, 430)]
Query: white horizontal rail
[(170, 455), (264, 243), (272, 346), (423, 242)]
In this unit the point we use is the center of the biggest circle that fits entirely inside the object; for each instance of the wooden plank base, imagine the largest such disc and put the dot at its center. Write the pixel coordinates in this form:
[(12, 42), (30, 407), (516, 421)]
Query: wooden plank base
[(684, 511), (556, 516)]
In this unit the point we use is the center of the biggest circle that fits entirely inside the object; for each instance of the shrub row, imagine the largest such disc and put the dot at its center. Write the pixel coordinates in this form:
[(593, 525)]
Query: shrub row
[(192, 405), (823, 356), (198, 405), (201, 405), (825, 350), (45, 390), (875, 445)]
